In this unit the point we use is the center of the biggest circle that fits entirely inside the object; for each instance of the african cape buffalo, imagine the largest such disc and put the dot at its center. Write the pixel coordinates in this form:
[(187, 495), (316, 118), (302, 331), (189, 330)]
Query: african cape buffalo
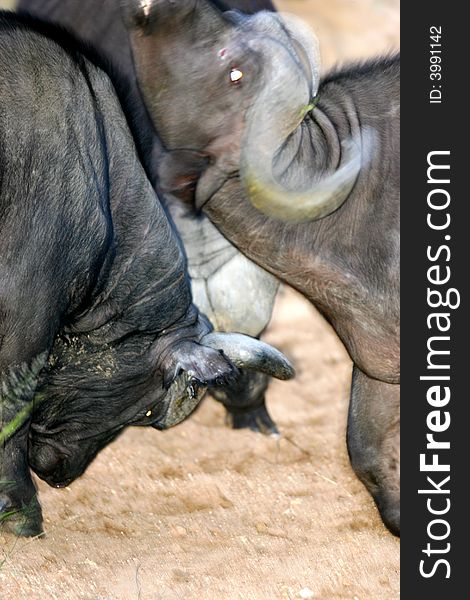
[(97, 327), (231, 290), (301, 175)]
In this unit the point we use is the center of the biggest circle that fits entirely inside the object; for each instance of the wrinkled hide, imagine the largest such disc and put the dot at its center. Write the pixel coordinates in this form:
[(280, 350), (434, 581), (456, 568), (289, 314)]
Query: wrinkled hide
[(235, 293), (92, 277)]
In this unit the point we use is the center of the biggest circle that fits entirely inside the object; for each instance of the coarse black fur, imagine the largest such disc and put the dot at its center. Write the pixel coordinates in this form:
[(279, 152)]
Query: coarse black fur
[(81, 49), (382, 66), (97, 29), (91, 273)]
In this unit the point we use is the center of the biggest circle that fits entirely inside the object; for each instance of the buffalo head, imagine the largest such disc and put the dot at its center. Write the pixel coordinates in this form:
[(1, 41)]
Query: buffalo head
[(229, 92)]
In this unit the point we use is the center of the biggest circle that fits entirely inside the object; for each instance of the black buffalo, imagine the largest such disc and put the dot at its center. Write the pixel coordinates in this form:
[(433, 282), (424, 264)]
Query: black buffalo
[(231, 290), (97, 327), (300, 174)]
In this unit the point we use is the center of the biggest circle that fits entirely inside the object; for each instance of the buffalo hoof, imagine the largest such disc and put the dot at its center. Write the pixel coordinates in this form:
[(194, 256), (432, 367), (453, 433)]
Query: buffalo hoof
[(25, 521), (257, 419)]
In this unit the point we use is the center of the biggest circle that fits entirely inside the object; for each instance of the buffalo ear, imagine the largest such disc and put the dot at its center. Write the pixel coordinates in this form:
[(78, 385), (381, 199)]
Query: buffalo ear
[(179, 171)]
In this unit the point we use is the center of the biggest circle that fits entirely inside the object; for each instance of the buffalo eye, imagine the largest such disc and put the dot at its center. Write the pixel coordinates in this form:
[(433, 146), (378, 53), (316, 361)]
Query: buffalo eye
[(235, 75)]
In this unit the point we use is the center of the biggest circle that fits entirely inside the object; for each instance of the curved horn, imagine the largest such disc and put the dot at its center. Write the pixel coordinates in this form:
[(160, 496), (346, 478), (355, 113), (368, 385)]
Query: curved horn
[(326, 196), (306, 44), (279, 110), (249, 353)]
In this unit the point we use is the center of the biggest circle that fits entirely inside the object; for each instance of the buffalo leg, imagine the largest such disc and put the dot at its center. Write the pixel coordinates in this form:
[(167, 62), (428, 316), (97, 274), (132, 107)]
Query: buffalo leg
[(20, 512), (244, 401), (374, 443), (23, 354)]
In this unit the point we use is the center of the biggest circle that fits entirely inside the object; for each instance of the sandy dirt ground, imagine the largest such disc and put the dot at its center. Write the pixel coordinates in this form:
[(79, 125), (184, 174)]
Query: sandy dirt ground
[(203, 512)]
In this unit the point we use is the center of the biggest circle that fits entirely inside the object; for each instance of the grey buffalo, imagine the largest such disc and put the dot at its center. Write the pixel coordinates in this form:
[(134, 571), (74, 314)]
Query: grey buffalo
[(300, 174), (97, 327), (235, 293)]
